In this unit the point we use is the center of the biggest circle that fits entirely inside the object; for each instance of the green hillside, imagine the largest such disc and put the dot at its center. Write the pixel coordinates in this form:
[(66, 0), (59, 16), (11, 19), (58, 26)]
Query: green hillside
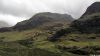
[(53, 38)]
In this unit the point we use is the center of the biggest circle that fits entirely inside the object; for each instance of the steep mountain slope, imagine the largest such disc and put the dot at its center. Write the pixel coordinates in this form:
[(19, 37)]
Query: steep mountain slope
[(94, 8), (83, 35), (90, 21), (87, 30), (89, 24)]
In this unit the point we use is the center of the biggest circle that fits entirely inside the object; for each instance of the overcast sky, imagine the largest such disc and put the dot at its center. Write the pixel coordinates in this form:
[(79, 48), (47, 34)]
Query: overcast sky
[(13, 11)]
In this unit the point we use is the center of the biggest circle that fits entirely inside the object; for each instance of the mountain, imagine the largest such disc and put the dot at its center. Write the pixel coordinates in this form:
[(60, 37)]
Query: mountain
[(94, 8), (80, 37), (32, 35), (43, 19), (3, 24), (90, 21)]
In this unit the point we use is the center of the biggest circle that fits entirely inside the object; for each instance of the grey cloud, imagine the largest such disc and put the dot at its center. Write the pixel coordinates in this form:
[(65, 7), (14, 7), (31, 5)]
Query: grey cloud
[(27, 8), (13, 11), (14, 8), (4, 24)]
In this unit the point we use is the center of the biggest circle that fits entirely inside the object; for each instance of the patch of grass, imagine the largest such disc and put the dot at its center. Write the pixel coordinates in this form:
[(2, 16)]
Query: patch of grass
[(47, 46), (40, 41), (79, 44)]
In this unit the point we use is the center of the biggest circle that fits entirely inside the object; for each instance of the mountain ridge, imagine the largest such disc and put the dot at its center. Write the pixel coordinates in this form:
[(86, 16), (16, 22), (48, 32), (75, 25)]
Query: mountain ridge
[(40, 19)]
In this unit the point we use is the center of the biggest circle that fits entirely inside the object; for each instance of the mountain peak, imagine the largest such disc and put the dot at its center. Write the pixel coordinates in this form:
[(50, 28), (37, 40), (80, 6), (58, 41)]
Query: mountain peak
[(43, 18), (57, 16)]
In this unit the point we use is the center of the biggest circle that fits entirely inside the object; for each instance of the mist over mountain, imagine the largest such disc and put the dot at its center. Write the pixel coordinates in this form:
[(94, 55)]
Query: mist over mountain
[(4, 24)]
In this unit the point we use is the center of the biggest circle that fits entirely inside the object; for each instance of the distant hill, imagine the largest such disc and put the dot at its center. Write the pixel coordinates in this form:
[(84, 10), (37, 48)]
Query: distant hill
[(41, 19)]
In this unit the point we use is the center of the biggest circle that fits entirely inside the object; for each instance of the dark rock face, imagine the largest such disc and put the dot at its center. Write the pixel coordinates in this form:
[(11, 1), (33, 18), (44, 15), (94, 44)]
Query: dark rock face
[(94, 8), (42, 18)]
